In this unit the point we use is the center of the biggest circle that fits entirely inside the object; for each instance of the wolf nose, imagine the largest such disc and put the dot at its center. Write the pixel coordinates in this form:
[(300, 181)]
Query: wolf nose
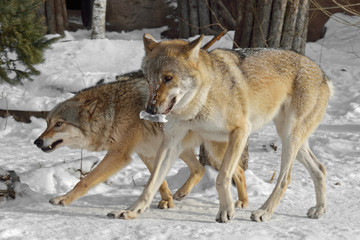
[(39, 142), (150, 109)]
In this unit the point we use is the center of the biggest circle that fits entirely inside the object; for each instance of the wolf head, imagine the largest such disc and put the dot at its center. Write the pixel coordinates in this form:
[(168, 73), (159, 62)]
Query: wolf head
[(170, 67), (64, 125)]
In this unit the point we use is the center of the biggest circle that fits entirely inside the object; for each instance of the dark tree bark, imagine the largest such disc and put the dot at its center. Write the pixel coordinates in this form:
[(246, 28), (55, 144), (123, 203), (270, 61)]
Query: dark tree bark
[(301, 27), (261, 23), (204, 16), (59, 16), (277, 22), (214, 15), (23, 116), (50, 16), (247, 26), (56, 16), (224, 13), (194, 18), (183, 12), (239, 23), (287, 27), (289, 24), (86, 12)]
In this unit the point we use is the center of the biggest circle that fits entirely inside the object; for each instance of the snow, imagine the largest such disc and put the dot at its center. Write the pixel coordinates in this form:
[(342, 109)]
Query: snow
[(153, 117), (76, 62)]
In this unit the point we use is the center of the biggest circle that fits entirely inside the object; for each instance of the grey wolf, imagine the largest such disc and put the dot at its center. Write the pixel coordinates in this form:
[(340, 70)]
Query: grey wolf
[(224, 95), (106, 118)]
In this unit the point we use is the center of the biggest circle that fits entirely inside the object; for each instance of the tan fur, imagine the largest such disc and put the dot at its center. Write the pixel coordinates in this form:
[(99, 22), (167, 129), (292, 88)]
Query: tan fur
[(224, 95), (106, 118)]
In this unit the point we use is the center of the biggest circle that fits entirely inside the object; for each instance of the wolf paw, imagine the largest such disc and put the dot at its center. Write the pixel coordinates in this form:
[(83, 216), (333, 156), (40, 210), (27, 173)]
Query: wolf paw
[(241, 204), (164, 204), (60, 201), (260, 215), (180, 195), (126, 215), (316, 212), (225, 215)]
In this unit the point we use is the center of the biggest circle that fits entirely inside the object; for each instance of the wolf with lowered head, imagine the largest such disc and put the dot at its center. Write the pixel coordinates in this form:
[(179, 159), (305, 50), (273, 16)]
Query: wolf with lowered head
[(106, 118)]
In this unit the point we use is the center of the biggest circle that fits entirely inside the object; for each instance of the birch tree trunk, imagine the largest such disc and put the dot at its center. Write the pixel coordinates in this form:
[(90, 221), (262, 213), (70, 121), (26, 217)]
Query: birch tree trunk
[(98, 19)]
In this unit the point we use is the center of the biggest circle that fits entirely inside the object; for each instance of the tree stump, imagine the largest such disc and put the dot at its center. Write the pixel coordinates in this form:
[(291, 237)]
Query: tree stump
[(8, 181)]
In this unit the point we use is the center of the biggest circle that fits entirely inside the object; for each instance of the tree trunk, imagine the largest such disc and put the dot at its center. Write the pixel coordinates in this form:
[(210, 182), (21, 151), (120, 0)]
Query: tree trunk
[(277, 22), (245, 30), (59, 15), (224, 13), (261, 23), (183, 16), (98, 19), (203, 156), (194, 18), (50, 16), (56, 16), (301, 27), (289, 24), (287, 27), (214, 15), (239, 23), (23, 116), (204, 16)]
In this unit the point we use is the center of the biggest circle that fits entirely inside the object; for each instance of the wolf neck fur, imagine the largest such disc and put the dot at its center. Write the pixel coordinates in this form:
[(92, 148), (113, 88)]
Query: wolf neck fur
[(192, 103)]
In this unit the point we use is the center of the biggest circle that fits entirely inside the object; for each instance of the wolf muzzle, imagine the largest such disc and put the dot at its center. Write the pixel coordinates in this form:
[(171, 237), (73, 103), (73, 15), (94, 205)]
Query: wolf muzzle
[(151, 109), (39, 142)]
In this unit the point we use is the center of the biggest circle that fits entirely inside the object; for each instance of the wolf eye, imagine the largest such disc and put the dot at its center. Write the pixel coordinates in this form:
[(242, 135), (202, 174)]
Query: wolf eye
[(58, 124), (167, 79)]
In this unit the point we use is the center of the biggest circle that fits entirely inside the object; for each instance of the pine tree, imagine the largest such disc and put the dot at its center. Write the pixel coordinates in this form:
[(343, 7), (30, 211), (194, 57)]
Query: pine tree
[(22, 39)]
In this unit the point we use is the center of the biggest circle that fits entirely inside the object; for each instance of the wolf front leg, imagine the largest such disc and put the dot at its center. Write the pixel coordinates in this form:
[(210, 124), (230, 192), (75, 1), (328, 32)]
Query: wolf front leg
[(169, 150), (165, 193), (237, 142)]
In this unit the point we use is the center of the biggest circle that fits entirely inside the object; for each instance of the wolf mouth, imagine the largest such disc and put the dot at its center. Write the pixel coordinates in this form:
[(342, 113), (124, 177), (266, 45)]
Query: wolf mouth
[(171, 105), (52, 146)]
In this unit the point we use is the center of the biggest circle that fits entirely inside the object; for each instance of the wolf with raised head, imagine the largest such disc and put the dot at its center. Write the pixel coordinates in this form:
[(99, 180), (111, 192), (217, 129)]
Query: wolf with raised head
[(106, 118), (224, 95)]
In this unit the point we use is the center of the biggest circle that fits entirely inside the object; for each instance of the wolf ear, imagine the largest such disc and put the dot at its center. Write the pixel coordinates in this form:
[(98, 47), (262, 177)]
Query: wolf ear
[(90, 106), (193, 49), (149, 42)]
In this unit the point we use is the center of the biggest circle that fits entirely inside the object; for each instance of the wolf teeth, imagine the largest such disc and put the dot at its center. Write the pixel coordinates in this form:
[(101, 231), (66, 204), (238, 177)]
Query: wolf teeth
[(50, 147)]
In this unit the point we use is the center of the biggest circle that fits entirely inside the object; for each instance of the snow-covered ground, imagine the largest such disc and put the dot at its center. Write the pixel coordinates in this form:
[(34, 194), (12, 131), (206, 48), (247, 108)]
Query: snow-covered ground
[(76, 62)]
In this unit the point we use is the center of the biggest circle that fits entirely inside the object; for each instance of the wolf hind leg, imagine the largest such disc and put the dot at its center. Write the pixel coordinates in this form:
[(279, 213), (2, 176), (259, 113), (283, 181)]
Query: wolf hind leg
[(239, 179), (197, 171), (112, 162), (290, 148), (317, 172), (294, 125)]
